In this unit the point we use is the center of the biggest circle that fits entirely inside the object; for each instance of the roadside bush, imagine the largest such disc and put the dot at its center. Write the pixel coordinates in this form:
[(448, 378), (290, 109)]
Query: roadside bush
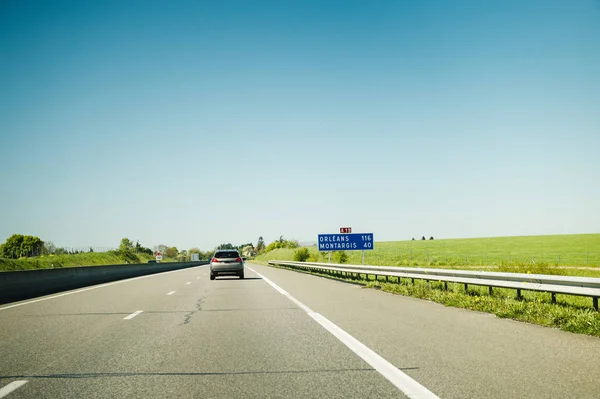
[(281, 243), (301, 255), (340, 257), (314, 257)]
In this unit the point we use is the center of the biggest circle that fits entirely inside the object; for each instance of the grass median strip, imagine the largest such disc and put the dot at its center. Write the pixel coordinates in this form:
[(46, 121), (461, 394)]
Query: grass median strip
[(570, 313)]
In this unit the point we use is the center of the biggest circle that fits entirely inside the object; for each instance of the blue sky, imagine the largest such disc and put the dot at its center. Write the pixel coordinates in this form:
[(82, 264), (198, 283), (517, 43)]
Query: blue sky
[(195, 123)]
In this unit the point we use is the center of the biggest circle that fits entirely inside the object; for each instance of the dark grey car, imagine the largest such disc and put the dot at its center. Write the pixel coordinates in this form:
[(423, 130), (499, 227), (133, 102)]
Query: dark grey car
[(226, 263)]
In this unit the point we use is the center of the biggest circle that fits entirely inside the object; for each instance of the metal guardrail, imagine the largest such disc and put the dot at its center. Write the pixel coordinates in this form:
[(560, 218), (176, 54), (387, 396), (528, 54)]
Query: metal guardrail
[(578, 286)]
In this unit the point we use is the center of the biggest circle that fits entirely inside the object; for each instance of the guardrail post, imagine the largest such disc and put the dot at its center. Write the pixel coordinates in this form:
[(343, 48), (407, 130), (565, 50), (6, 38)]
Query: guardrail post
[(466, 287), (490, 290), (553, 295), (595, 302), (519, 296), (446, 285), (413, 281)]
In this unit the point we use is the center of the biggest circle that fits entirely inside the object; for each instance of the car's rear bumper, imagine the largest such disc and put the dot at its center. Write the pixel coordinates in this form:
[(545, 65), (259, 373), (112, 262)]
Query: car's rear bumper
[(222, 268)]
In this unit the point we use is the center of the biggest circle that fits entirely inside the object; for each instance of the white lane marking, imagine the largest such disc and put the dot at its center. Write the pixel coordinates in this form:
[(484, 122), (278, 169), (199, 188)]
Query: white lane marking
[(11, 387), (188, 283), (197, 277), (131, 316), (403, 382), (91, 288), (171, 293)]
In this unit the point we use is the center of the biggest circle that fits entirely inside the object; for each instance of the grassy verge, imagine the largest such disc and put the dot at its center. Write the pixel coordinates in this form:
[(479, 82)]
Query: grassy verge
[(513, 266), (84, 259), (555, 250), (570, 313)]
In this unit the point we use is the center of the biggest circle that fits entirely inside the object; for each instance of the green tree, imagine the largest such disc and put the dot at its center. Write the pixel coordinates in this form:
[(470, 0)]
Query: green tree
[(19, 245), (31, 246), (12, 246), (226, 246), (301, 255), (182, 256), (171, 252), (139, 249), (260, 245), (126, 245)]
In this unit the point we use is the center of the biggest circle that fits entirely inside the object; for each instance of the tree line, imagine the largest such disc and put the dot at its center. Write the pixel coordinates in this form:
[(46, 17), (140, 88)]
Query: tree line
[(19, 245)]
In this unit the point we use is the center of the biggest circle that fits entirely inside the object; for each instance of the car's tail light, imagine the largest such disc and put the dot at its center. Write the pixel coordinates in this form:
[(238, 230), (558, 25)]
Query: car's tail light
[(214, 260), (239, 260)]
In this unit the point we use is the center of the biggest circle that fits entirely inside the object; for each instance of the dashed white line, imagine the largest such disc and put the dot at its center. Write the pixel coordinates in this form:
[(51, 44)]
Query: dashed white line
[(403, 382), (188, 283), (197, 277), (171, 293), (131, 316), (11, 387)]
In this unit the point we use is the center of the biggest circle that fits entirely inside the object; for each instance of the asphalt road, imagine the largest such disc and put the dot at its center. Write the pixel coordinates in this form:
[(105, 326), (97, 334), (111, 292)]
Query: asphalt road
[(244, 338)]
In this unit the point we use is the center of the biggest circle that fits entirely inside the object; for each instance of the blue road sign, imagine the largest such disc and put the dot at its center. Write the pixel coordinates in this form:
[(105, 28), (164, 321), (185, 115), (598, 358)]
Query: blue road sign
[(346, 242)]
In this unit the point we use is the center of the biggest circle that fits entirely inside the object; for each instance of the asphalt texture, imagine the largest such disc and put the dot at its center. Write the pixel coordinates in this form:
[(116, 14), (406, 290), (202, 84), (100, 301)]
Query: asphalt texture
[(234, 338)]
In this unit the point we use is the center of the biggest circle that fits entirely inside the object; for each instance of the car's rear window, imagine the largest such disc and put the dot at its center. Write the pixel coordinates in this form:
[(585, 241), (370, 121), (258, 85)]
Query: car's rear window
[(227, 254)]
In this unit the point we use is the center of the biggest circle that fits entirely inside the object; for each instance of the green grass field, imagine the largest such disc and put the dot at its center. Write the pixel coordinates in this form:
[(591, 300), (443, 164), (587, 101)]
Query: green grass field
[(555, 254), (84, 259)]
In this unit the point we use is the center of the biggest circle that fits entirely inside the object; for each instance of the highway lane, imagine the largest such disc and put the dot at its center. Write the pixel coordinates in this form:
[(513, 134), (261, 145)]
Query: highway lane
[(178, 335), (455, 353), (243, 338)]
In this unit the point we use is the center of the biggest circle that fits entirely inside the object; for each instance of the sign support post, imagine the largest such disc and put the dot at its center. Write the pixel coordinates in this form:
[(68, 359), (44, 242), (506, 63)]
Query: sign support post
[(329, 257), (363, 256)]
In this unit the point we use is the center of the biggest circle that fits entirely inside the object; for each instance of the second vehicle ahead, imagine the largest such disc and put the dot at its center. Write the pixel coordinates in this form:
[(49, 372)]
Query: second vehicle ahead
[(226, 263)]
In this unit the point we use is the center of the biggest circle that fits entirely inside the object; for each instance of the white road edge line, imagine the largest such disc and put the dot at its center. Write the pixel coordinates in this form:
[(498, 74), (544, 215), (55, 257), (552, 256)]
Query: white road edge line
[(171, 293), (400, 380), (131, 316), (11, 387), (91, 288)]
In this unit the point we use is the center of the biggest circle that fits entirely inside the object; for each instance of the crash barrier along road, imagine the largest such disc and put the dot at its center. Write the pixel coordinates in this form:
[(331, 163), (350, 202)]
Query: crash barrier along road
[(579, 286), (19, 285)]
